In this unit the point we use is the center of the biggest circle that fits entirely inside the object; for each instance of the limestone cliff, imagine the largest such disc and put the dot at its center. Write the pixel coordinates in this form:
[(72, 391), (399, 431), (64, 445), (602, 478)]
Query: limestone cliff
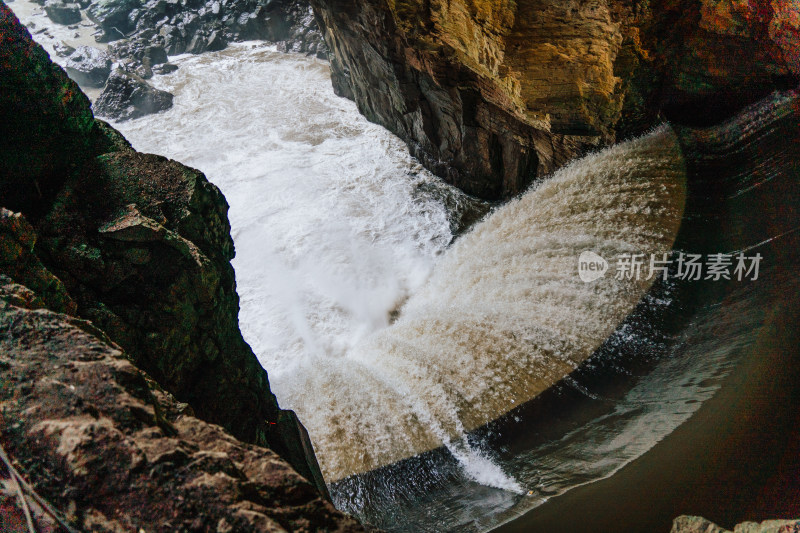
[(492, 94), (137, 244)]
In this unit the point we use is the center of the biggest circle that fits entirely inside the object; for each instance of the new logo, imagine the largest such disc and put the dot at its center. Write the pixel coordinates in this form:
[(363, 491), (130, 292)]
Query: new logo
[(591, 266)]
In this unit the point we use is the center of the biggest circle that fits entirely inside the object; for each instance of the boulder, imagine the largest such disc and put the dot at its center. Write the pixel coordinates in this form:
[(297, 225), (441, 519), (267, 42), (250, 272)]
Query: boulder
[(155, 55), (89, 66), (127, 96), (216, 42), (62, 13), (113, 17), (63, 49), (139, 48), (165, 68)]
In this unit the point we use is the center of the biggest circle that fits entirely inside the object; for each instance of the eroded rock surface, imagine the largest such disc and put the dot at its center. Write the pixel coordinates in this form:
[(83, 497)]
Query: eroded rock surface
[(135, 243), (101, 441), (696, 524), (36, 154), (492, 94)]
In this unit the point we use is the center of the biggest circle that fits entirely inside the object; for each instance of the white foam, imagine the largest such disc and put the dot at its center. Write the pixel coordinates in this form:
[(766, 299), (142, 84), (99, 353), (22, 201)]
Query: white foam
[(331, 238)]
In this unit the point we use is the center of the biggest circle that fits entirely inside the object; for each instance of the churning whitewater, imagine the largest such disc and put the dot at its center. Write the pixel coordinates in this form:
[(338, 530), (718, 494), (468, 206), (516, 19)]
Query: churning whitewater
[(503, 317), (384, 350)]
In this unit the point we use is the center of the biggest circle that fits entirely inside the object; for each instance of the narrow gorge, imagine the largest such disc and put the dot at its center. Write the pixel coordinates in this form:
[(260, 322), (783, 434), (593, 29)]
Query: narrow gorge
[(324, 267)]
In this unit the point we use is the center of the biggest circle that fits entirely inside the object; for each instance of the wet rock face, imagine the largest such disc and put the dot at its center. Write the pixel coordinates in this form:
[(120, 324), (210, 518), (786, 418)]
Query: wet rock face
[(296, 30), (102, 442), (492, 94), (205, 25), (437, 79), (138, 244), (113, 17), (127, 96), (714, 57), (62, 13), (89, 66)]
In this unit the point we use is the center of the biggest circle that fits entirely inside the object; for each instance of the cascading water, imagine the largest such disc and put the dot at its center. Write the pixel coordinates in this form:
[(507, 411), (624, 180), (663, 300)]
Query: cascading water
[(391, 346), (720, 357), (504, 315), (336, 232)]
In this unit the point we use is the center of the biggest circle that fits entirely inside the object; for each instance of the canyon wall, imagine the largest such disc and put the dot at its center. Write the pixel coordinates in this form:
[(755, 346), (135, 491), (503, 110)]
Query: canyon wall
[(491, 95), (135, 250), (113, 452)]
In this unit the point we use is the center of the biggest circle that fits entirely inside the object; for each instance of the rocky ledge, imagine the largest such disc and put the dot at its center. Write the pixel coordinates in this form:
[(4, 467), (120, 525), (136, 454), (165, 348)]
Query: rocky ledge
[(696, 524), (492, 94), (101, 441), (119, 331)]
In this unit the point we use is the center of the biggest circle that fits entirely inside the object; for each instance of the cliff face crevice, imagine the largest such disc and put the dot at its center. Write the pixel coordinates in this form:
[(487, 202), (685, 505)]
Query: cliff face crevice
[(492, 94), (137, 244)]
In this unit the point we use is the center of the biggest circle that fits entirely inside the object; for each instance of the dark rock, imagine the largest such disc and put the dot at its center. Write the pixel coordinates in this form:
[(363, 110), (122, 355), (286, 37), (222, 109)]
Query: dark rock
[(165, 68), (139, 55), (197, 45), (63, 49), (298, 30), (62, 13), (174, 42), (155, 55), (89, 66), (127, 96), (216, 42), (158, 7), (46, 123), (254, 26), (211, 43), (139, 48), (143, 71), (113, 17), (133, 17), (17, 260), (142, 246)]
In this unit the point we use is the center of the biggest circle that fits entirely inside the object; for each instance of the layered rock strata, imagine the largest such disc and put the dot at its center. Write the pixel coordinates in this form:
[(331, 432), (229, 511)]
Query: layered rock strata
[(491, 95)]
